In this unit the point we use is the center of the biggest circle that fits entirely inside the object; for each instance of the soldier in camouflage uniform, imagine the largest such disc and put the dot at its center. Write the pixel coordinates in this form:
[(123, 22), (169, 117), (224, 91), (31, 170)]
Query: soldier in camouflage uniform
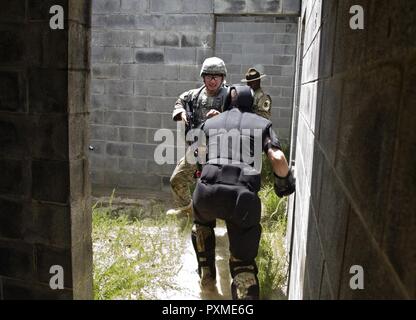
[(207, 101), (262, 102)]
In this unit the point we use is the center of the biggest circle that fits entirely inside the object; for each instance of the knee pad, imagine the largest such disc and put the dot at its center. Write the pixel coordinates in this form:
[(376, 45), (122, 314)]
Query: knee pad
[(247, 211), (245, 285), (203, 240)]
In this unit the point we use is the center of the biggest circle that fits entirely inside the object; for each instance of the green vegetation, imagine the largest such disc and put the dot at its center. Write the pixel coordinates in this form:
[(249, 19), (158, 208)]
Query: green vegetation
[(271, 259), (134, 254)]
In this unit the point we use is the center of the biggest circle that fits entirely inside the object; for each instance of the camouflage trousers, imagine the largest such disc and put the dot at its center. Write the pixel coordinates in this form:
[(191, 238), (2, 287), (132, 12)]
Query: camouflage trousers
[(182, 180)]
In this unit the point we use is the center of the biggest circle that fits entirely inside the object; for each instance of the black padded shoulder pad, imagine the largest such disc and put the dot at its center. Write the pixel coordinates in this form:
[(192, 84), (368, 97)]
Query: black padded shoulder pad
[(270, 139)]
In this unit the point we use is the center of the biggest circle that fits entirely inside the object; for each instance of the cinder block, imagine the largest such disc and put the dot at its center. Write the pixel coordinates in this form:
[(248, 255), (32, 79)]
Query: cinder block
[(273, 70), (118, 55), (140, 88), (314, 258), (287, 92), (193, 23), (143, 151), (118, 118), (282, 81), (97, 86), (155, 88), (105, 6), (285, 39), (283, 60), (16, 260), (180, 55), (165, 170), (118, 149), (14, 180), (132, 165), (130, 103), (97, 177), (137, 135), (149, 56), (123, 22), (134, 6), (118, 38), (123, 87), (290, 50), (155, 104), (166, 6), (98, 21), (132, 71), (253, 59), (97, 117), (48, 91), (147, 182), (203, 40), (264, 6), (49, 139), (50, 181), (52, 225), (147, 120), (14, 12), (232, 48), (224, 38), (12, 220), (12, 94), (197, 6), (230, 6), (174, 89), (162, 72), (249, 48), (291, 7), (151, 22), (202, 54), (190, 73), (99, 132), (165, 39)]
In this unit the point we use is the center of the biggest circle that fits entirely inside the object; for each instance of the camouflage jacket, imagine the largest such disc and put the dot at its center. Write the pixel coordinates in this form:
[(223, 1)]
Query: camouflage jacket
[(202, 103), (262, 104)]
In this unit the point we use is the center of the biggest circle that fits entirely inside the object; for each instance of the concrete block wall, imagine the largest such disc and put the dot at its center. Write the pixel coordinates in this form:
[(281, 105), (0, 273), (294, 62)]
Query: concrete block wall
[(355, 202), (269, 44), (145, 53), (45, 214)]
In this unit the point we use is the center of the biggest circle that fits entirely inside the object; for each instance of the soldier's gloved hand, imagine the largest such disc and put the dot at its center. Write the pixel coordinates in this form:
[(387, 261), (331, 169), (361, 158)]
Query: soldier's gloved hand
[(284, 186)]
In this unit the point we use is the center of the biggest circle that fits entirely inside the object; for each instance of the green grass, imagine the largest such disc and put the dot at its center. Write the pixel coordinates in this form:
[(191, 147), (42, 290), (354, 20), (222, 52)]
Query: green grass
[(271, 259), (134, 254)]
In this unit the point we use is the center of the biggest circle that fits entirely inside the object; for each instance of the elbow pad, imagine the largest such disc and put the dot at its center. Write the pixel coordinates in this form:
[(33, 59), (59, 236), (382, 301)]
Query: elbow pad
[(284, 186)]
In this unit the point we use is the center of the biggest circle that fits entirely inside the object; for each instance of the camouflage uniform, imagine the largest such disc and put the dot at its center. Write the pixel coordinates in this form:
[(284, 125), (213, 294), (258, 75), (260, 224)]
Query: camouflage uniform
[(183, 176), (262, 104)]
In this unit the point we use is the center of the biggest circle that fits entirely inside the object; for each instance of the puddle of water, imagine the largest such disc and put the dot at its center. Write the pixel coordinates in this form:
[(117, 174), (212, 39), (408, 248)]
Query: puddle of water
[(186, 282)]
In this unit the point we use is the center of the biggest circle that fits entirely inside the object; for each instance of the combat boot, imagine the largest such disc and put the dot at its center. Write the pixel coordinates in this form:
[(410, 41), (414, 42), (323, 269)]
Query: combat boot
[(203, 240), (185, 211), (245, 285)]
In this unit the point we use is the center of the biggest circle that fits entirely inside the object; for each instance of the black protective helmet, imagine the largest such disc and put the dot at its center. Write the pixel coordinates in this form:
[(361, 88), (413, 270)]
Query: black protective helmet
[(243, 100)]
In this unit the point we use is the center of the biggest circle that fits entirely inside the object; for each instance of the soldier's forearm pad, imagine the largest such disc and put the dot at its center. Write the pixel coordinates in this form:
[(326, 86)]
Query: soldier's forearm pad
[(284, 186)]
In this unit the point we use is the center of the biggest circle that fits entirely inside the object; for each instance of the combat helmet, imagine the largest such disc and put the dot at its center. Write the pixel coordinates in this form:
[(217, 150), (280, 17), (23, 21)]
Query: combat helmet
[(213, 65)]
